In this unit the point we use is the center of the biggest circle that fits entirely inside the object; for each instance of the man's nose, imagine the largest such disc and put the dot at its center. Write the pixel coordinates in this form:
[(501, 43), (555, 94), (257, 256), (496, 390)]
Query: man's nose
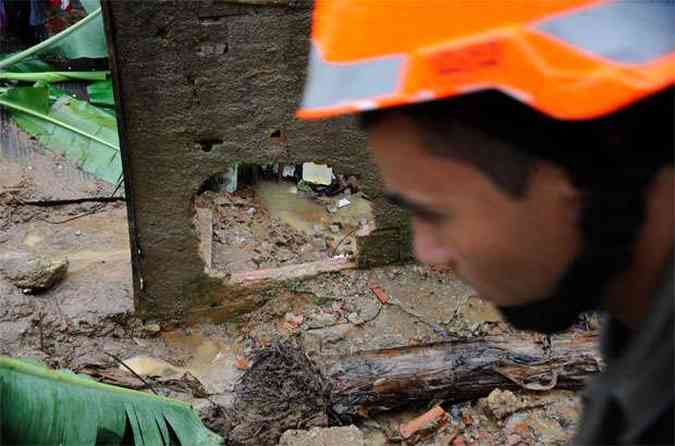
[(429, 246)]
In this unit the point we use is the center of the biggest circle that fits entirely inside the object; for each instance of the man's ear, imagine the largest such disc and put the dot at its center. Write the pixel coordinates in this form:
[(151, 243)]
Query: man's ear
[(558, 182)]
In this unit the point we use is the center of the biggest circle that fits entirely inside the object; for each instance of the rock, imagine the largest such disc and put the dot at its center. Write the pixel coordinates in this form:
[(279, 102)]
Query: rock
[(152, 329), (315, 341), (251, 211), (78, 233), (334, 229), (331, 209), (32, 273), (502, 403), (321, 319), (328, 436)]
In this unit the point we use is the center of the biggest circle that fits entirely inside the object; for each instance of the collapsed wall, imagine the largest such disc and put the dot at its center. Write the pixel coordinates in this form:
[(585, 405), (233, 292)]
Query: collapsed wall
[(206, 85)]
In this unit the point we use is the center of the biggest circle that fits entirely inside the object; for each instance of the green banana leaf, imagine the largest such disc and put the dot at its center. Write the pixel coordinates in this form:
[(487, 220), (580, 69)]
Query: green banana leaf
[(101, 93), (28, 65), (56, 76), (85, 38), (76, 129), (87, 42), (49, 407)]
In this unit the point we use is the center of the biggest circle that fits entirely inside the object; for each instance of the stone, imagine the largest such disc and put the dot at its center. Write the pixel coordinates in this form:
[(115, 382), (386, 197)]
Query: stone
[(328, 436), (331, 209), (33, 273), (251, 211), (321, 319), (78, 233), (317, 174), (502, 403), (334, 228), (152, 328)]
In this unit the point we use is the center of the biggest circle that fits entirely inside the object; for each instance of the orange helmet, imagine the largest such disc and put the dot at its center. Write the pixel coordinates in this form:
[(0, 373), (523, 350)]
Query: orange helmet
[(570, 59)]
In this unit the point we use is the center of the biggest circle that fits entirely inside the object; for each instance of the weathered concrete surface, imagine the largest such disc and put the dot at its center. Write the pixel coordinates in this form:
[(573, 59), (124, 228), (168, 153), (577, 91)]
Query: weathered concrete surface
[(200, 85)]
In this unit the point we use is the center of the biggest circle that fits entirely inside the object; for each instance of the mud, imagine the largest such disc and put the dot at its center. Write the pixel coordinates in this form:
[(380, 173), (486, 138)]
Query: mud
[(87, 320)]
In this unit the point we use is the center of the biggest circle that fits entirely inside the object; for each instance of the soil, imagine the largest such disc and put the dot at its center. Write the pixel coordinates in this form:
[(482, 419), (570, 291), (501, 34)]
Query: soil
[(86, 322)]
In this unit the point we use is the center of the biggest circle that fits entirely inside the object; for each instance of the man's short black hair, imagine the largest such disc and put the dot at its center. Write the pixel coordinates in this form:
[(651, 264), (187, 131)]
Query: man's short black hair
[(636, 141)]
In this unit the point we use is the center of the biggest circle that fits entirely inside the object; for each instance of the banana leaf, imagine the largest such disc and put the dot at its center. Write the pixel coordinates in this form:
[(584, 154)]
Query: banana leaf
[(83, 39), (76, 129), (87, 42), (101, 93), (31, 64), (49, 407), (56, 76)]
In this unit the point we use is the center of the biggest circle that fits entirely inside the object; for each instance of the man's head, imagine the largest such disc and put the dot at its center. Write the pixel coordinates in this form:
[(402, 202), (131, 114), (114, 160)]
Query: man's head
[(537, 214)]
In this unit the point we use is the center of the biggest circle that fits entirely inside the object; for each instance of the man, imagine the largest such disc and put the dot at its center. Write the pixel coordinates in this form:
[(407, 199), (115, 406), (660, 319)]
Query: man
[(533, 144)]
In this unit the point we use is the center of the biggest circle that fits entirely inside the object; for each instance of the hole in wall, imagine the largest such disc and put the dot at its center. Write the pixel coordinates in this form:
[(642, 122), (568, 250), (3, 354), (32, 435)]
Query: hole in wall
[(266, 216), (207, 144), (278, 137)]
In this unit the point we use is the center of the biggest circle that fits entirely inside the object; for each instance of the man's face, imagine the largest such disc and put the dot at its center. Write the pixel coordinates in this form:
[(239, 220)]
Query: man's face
[(513, 251)]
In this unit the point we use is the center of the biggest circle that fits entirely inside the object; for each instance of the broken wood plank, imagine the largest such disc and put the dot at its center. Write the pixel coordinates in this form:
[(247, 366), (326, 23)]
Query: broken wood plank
[(458, 370), (293, 271)]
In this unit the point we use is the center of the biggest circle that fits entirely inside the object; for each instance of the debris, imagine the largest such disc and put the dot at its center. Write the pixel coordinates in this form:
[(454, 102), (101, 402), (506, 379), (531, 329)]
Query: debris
[(329, 436), (431, 420), (251, 211), (153, 328), (288, 171), (33, 274), (230, 178), (321, 319), (283, 389), (242, 363), (334, 228), (331, 209), (343, 203), (294, 320), (354, 319), (502, 403), (319, 174), (381, 295), (303, 186)]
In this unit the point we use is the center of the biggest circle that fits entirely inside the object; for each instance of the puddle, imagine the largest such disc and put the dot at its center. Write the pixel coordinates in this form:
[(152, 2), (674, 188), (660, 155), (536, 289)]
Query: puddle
[(204, 352), (148, 366), (283, 201)]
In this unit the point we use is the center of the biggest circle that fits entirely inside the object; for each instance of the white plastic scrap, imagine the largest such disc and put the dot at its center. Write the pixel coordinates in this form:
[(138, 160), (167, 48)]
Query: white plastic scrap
[(289, 171), (317, 174), (343, 203)]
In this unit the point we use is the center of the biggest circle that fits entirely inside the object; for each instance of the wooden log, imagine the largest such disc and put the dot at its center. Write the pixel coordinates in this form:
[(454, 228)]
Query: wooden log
[(460, 370)]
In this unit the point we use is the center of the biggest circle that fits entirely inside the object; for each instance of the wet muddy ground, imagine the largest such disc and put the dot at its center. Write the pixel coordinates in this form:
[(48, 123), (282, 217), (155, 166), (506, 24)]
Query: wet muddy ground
[(86, 322)]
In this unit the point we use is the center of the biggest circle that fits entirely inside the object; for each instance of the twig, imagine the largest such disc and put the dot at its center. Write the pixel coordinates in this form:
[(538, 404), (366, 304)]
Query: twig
[(91, 211), (343, 239), (147, 384)]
